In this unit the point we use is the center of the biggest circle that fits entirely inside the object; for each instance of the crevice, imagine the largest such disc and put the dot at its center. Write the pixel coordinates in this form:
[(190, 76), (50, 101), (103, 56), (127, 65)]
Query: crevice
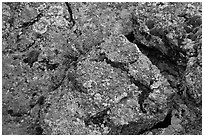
[(130, 37), (41, 100), (15, 114), (165, 123), (144, 94), (70, 12), (150, 52), (38, 130), (32, 57), (27, 24), (99, 118), (157, 58)]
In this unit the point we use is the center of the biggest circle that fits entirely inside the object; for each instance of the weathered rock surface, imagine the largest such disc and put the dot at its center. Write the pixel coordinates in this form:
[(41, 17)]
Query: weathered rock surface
[(101, 68)]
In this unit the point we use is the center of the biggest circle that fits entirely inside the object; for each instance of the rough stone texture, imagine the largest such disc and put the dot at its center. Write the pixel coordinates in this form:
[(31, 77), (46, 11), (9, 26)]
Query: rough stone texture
[(101, 68)]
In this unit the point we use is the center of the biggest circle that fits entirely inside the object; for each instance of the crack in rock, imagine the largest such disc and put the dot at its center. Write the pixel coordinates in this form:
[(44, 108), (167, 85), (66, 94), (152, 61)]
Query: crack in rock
[(70, 12), (33, 21)]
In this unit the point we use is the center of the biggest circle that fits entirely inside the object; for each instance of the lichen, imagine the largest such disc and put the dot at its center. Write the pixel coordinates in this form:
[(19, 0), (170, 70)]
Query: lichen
[(41, 26), (101, 68)]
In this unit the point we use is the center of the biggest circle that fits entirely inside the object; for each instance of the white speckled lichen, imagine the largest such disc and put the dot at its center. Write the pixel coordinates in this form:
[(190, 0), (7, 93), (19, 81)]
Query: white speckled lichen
[(41, 26)]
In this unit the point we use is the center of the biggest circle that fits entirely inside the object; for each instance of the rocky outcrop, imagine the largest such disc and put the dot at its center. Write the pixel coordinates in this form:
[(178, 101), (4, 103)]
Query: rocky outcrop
[(101, 68)]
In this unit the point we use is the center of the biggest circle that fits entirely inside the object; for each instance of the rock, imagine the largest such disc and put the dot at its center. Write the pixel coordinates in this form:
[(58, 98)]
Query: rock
[(101, 68)]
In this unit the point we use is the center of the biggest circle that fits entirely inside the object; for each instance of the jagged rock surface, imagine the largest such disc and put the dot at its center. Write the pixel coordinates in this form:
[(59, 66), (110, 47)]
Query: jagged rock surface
[(101, 68)]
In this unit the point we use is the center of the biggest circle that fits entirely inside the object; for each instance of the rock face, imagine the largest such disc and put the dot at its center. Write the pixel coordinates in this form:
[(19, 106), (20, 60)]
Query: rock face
[(101, 68)]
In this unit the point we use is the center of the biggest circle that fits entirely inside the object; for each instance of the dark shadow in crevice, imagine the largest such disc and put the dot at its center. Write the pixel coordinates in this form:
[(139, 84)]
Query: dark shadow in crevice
[(165, 123), (165, 63), (130, 37), (32, 57), (145, 92), (150, 52), (99, 118), (156, 57), (41, 100), (15, 114), (38, 130), (30, 23), (70, 13)]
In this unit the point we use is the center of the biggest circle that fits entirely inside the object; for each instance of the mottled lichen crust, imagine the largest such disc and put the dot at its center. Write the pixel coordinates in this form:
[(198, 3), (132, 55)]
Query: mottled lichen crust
[(101, 68), (108, 86), (41, 26), (55, 10), (100, 79), (119, 49)]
